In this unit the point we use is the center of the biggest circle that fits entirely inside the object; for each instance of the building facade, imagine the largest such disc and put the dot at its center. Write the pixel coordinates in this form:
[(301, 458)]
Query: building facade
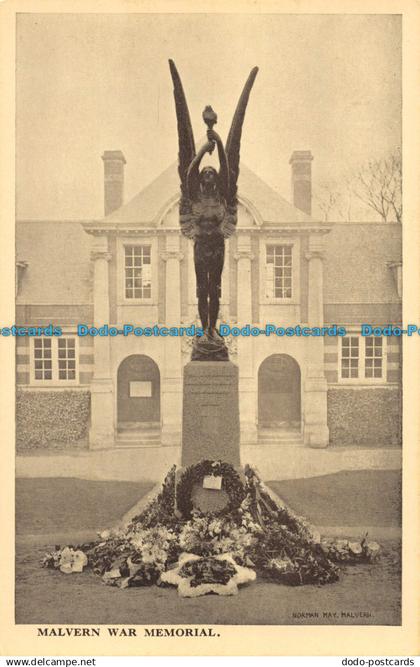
[(282, 267)]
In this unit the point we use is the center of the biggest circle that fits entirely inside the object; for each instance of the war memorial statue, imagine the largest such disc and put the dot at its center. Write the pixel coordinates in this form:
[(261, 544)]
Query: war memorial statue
[(208, 207), (213, 524)]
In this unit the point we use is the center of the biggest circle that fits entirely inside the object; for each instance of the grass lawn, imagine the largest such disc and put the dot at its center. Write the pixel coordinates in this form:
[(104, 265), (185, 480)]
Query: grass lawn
[(347, 498), (47, 505), (47, 508)]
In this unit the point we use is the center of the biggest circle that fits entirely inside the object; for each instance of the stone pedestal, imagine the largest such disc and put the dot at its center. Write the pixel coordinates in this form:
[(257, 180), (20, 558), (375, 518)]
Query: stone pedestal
[(210, 414)]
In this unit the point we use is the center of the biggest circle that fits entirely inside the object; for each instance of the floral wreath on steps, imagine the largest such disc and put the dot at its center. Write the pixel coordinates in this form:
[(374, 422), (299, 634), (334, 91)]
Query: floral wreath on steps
[(194, 474)]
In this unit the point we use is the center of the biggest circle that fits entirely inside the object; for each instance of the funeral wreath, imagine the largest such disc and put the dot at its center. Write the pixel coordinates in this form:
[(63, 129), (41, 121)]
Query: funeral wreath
[(195, 474)]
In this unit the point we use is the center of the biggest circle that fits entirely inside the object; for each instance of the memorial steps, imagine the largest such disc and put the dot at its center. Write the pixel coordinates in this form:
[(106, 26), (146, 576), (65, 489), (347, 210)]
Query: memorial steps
[(279, 436), (135, 434), (280, 433)]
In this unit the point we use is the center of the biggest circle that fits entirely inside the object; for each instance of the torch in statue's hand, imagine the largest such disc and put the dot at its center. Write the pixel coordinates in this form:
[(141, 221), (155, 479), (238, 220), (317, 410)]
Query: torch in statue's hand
[(210, 119)]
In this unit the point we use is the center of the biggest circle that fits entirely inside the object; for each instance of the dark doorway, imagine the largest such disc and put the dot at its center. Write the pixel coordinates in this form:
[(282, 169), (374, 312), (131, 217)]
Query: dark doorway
[(138, 390), (279, 392)]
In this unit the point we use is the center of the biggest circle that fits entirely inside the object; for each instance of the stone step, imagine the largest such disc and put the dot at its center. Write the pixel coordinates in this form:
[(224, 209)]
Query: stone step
[(280, 443), (135, 444), (279, 434), (138, 426), (143, 433), (279, 437), (289, 427), (138, 437)]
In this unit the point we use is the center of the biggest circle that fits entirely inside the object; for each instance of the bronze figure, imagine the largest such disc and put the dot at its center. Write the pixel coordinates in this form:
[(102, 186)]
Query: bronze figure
[(208, 206)]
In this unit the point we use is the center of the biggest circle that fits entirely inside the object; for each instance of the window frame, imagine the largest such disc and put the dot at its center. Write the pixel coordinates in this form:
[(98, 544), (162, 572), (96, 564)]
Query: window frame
[(122, 299), (132, 299), (362, 361), (55, 381), (294, 244)]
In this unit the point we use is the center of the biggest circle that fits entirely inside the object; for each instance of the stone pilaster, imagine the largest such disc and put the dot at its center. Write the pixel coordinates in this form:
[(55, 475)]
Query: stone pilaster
[(315, 432), (101, 435), (172, 379), (247, 382)]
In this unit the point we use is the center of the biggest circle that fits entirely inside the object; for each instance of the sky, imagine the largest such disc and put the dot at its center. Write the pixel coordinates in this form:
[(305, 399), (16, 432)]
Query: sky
[(93, 82)]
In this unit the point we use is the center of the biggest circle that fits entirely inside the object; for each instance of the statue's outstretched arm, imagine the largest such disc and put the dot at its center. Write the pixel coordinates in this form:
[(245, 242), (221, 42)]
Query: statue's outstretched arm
[(228, 225), (224, 167), (187, 217), (193, 170)]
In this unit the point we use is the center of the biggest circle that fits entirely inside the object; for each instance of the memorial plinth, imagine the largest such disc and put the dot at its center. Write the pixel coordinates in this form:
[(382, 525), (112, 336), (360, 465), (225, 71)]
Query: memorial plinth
[(210, 419)]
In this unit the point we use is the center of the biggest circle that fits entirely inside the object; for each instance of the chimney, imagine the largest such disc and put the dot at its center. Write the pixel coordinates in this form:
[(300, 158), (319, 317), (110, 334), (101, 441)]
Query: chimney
[(301, 180), (114, 162)]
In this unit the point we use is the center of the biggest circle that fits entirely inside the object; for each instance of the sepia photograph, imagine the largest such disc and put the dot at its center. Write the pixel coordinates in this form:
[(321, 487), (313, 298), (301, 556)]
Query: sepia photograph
[(208, 321)]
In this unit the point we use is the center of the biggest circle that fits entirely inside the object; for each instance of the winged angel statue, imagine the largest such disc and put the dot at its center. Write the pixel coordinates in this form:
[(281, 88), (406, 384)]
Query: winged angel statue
[(208, 205)]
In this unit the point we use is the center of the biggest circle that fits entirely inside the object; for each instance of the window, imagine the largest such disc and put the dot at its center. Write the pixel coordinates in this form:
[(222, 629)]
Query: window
[(138, 278), (362, 358), (373, 357), (279, 271), (42, 359), (350, 357), (54, 360), (66, 359)]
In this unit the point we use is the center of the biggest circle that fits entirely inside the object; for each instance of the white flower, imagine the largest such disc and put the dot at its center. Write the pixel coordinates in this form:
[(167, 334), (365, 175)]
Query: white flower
[(215, 527), (315, 536), (105, 534), (137, 542), (282, 565), (373, 549), (112, 574), (147, 557), (355, 548), (153, 544), (72, 561), (79, 561)]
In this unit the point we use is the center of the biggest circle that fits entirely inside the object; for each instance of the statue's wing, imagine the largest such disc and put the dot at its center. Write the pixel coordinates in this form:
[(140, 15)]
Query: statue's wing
[(233, 143), (185, 133)]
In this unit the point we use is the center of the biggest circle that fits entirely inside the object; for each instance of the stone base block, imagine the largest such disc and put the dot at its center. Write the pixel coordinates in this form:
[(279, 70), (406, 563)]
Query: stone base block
[(249, 433), (170, 435), (316, 436), (210, 413)]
